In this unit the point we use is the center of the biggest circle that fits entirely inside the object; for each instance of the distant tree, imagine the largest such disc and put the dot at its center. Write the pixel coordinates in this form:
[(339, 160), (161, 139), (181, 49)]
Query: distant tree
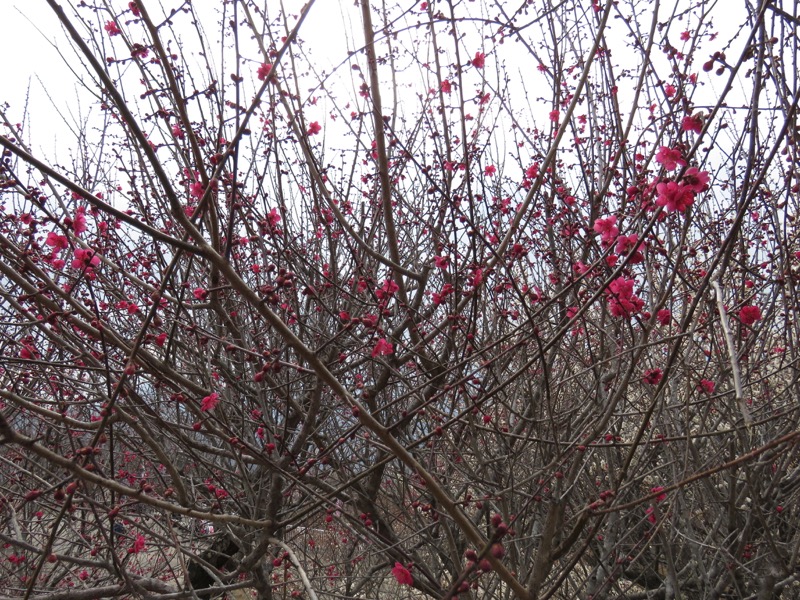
[(503, 305)]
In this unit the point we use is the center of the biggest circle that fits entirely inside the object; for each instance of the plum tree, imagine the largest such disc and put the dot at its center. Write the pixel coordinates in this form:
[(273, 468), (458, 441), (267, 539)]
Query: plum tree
[(459, 299)]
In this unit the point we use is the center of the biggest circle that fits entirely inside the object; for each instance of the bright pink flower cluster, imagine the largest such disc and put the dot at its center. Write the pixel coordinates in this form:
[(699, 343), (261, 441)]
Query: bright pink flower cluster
[(382, 348), (680, 195), (749, 315), (621, 300), (264, 70), (402, 575)]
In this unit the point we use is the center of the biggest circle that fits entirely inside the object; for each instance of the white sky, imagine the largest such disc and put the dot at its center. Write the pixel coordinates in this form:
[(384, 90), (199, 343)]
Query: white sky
[(31, 60)]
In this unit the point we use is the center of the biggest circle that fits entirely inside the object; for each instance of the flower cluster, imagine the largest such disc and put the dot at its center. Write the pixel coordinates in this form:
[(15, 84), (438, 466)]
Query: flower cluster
[(621, 300), (678, 195)]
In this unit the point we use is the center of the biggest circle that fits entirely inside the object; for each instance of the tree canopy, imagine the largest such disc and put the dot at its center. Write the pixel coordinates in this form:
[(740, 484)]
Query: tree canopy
[(455, 299)]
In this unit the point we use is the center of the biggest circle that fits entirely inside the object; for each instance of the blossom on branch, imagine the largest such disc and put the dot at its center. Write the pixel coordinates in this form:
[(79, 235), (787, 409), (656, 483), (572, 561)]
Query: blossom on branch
[(84, 258), (138, 545), (670, 158), (749, 315), (402, 575), (264, 70), (607, 228), (621, 300), (382, 348), (674, 196), (209, 402)]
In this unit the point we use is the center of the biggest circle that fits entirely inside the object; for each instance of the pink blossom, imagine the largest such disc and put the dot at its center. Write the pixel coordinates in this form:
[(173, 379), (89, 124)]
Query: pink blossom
[(56, 241), (479, 60), (692, 124), (439, 297), (622, 302), (209, 402), (402, 575), (532, 172), (695, 180), (79, 222), (651, 514), (139, 51), (707, 386), (554, 114), (580, 268), (669, 90), (490, 170), (626, 243), (670, 158), (134, 9), (314, 128), (607, 228), (382, 348), (112, 29), (196, 189), (652, 376), (138, 545), (28, 352), (389, 288), (674, 196), (446, 87), (664, 316), (264, 70), (477, 277), (200, 293), (441, 262), (84, 258), (749, 314)]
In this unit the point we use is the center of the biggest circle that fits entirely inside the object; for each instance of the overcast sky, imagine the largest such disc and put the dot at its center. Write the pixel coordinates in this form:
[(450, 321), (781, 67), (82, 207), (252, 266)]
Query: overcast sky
[(30, 59)]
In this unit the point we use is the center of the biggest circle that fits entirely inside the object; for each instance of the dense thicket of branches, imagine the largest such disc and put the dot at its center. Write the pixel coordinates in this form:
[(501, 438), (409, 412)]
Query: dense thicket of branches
[(460, 299)]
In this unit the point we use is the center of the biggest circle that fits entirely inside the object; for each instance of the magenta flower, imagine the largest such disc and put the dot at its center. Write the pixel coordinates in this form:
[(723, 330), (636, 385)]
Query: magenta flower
[(695, 180), (209, 402), (707, 386), (56, 241), (749, 315), (670, 158), (138, 545), (622, 301), (402, 575), (382, 348), (674, 196), (652, 376), (264, 70), (84, 258), (607, 228), (692, 124)]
